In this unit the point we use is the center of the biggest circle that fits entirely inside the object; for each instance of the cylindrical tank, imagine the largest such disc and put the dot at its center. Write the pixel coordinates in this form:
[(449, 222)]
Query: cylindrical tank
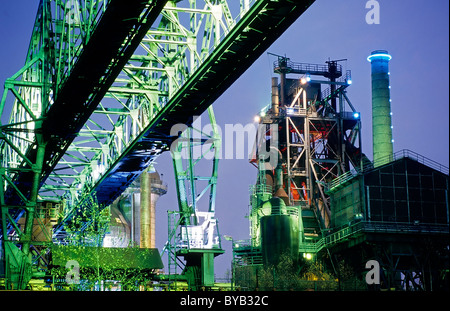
[(119, 234), (279, 234), (381, 107)]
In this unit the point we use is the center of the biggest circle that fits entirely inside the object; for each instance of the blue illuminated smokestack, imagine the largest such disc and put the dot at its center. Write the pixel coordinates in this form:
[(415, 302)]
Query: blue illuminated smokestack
[(381, 107)]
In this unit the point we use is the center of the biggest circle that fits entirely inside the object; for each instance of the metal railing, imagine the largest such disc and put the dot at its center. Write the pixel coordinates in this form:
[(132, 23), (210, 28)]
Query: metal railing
[(401, 227), (405, 153), (342, 179), (310, 68), (260, 188), (313, 248), (246, 254), (286, 211), (372, 227)]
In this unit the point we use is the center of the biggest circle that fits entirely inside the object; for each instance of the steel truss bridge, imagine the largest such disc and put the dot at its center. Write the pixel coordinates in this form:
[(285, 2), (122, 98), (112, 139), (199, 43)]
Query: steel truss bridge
[(103, 83)]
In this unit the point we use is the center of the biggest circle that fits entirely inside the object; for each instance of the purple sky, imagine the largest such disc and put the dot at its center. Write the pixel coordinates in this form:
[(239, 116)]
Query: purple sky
[(416, 34)]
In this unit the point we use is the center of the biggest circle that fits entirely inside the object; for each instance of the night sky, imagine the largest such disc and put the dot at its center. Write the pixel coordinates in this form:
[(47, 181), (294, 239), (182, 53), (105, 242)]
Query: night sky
[(416, 34)]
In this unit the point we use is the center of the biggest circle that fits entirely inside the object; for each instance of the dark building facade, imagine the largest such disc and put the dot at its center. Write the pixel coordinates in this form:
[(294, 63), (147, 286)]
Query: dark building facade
[(397, 214)]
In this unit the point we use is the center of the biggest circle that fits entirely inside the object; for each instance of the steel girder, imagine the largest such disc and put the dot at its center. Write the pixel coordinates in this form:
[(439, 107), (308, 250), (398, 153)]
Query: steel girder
[(53, 94), (179, 69), (194, 232), (122, 106), (110, 151)]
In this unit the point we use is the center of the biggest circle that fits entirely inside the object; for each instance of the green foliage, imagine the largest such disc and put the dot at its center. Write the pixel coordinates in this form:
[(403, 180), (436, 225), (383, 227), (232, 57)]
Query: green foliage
[(85, 237), (348, 279), (89, 226), (104, 268), (286, 275), (316, 277), (92, 279), (283, 276)]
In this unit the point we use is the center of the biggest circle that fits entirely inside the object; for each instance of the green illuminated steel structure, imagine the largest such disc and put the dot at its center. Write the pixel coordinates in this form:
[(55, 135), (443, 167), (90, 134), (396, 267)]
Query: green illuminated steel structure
[(193, 230), (103, 83)]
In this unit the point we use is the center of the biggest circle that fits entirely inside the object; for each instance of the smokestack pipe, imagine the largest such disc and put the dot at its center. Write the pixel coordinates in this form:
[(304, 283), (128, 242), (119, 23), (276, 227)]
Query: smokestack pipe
[(381, 108), (275, 97), (147, 236), (151, 188)]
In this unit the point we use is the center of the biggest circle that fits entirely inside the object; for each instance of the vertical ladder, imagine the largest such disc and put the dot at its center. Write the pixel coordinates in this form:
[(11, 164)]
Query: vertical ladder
[(171, 249), (174, 264)]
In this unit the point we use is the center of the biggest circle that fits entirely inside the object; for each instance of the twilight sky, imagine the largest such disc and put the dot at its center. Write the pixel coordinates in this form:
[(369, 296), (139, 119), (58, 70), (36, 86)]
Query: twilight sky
[(416, 34)]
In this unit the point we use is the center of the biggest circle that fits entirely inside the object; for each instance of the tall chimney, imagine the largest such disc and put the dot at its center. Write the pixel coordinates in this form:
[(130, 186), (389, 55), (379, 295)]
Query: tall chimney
[(381, 108), (152, 188), (275, 96)]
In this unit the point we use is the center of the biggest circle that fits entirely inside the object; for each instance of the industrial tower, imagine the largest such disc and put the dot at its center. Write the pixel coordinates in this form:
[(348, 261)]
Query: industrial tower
[(381, 106), (308, 136), (318, 197), (133, 218)]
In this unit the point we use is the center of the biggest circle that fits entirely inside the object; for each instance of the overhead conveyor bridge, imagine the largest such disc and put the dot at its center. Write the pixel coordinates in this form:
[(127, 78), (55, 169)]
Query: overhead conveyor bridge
[(103, 84)]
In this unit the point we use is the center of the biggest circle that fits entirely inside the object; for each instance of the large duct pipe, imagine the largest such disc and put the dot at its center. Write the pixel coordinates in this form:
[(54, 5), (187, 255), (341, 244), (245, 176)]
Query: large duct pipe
[(381, 108)]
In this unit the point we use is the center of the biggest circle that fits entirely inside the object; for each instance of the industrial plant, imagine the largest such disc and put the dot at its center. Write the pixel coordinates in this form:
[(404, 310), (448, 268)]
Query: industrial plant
[(324, 200), (109, 85)]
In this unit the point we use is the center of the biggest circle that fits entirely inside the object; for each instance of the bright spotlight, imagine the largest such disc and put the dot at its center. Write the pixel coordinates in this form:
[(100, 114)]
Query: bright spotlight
[(356, 115), (257, 119)]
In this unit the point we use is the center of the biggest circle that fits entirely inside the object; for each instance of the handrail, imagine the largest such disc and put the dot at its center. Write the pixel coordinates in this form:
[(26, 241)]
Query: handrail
[(373, 227), (405, 153), (260, 188), (310, 68), (253, 257), (343, 178)]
